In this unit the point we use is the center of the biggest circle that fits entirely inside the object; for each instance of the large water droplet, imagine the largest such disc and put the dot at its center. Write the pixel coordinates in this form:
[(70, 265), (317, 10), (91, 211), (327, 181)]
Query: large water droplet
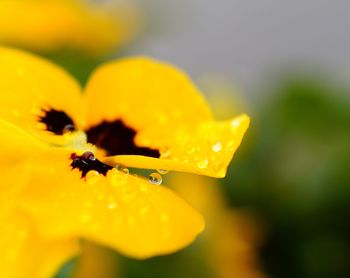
[(155, 178), (92, 177), (89, 156), (217, 147), (202, 164)]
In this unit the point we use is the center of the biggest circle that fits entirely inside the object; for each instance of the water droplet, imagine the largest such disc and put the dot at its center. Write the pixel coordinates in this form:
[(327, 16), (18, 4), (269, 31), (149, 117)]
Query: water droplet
[(155, 178), (230, 145), (235, 123), (68, 129), (112, 205), (125, 171), (165, 152), (162, 172), (92, 177), (122, 169), (89, 156), (202, 164), (217, 147), (191, 151)]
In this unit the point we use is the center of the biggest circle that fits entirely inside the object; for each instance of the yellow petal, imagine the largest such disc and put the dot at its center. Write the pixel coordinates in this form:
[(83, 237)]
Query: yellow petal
[(50, 25), (168, 114), (16, 147), (16, 144), (207, 149), (124, 212), (24, 252), (30, 84), (147, 95)]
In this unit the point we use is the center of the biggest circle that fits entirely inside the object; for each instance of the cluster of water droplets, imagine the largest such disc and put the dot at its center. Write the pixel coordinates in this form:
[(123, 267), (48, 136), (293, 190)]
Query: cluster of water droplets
[(153, 178)]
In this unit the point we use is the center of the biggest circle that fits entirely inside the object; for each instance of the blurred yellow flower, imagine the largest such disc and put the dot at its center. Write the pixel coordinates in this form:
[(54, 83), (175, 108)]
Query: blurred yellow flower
[(230, 237), (51, 25), (62, 153)]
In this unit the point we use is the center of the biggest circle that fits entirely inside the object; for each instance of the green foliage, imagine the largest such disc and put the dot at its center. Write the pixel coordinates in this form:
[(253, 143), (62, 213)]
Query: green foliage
[(293, 173)]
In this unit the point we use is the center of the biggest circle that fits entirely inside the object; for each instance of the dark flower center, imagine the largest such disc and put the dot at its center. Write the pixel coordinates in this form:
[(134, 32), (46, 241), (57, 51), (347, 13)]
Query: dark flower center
[(117, 139), (57, 121), (112, 136)]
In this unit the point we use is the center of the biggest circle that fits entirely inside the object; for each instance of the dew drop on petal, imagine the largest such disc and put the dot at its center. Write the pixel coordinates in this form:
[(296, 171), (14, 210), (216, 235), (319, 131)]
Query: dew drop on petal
[(112, 205), (125, 171), (162, 171), (122, 169), (230, 145), (202, 164), (191, 151), (89, 156), (68, 129), (165, 153), (235, 123), (92, 177), (155, 178), (217, 147)]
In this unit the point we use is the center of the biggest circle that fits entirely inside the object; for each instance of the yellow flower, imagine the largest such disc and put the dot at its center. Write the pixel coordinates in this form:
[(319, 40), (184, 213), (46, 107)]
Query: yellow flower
[(59, 148), (50, 25), (230, 238)]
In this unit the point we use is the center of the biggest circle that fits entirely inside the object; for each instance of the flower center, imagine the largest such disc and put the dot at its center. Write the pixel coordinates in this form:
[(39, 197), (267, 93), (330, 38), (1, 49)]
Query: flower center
[(57, 121), (114, 137), (117, 139)]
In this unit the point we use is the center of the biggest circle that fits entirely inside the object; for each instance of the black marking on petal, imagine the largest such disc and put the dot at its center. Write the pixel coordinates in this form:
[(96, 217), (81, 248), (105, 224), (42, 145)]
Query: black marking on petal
[(117, 139), (87, 162), (57, 121)]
